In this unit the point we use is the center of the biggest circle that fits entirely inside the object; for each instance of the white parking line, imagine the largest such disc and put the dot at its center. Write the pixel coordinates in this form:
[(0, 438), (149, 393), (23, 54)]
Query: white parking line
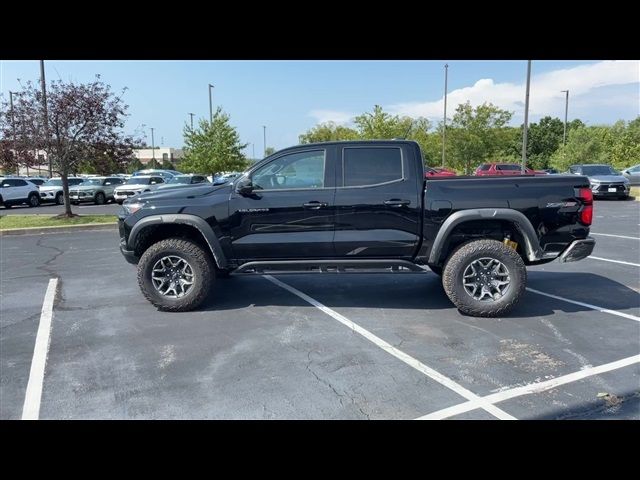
[(588, 305), (387, 347), (617, 236), (615, 261), (531, 388), (33, 395)]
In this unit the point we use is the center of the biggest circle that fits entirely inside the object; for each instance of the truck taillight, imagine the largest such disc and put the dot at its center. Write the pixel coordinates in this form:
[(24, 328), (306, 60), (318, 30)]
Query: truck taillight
[(586, 213)]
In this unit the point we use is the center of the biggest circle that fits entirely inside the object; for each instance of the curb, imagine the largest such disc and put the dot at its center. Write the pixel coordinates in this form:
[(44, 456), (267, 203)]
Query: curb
[(81, 226)]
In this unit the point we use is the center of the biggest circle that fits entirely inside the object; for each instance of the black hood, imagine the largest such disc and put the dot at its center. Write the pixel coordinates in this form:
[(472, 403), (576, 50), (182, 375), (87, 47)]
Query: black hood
[(187, 191)]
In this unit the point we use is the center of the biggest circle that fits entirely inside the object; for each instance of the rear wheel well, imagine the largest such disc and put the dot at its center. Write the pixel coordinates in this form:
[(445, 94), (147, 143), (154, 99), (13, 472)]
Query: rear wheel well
[(154, 233), (480, 230)]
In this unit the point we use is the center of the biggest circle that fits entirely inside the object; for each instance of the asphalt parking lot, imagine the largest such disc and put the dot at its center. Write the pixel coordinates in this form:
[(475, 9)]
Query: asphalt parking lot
[(359, 346)]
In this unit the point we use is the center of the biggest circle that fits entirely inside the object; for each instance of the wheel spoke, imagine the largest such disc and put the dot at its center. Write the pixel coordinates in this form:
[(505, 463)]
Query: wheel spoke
[(486, 279), (172, 276)]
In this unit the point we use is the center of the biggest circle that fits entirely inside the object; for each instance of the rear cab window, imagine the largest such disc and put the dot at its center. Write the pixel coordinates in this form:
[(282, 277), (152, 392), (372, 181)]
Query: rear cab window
[(370, 166)]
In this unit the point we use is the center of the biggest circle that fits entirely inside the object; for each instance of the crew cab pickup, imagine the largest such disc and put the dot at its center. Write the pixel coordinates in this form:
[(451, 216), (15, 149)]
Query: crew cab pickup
[(352, 206)]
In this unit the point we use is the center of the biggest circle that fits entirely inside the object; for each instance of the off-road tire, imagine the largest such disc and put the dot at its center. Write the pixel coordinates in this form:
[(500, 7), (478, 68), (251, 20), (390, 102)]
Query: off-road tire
[(196, 256), (462, 257)]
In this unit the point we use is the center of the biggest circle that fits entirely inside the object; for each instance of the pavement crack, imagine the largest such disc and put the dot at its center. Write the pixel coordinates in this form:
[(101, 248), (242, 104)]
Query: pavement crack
[(46, 266)]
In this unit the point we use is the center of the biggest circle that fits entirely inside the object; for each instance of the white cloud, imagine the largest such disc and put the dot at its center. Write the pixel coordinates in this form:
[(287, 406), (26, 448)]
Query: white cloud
[(336, 116), (545, 95)]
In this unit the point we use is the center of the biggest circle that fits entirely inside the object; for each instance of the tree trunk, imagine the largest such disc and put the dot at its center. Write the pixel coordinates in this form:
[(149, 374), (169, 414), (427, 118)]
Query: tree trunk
[(65, 194)]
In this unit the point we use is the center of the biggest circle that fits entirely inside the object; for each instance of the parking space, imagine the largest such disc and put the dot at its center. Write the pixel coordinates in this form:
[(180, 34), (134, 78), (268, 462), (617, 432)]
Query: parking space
[(378, 346)]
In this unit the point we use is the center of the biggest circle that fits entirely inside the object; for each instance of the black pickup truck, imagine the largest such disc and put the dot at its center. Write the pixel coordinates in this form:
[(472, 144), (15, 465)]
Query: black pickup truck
[(353, 206)]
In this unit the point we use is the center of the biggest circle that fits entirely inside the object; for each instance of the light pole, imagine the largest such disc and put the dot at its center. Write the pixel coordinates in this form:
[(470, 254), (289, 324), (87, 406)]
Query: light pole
[(264, 139), (526, 120), (191, 115), (566, 112), (153, 149), (46, 116), (444, 123), (210, 104)]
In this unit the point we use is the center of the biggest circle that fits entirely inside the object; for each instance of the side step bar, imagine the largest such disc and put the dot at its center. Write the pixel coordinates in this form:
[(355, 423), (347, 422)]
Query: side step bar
[(327, 266)]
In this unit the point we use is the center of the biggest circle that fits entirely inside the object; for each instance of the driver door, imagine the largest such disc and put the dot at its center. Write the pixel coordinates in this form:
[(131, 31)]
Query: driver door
[(290, 214)]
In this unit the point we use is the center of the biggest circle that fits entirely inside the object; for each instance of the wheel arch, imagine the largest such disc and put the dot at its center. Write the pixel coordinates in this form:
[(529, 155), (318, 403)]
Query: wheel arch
[(153, 228), (520, 223)]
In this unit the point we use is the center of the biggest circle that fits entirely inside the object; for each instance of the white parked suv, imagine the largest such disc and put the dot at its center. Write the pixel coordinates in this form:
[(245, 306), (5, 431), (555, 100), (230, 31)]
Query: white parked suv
[(16, 191), (137, 185), (51, 190)]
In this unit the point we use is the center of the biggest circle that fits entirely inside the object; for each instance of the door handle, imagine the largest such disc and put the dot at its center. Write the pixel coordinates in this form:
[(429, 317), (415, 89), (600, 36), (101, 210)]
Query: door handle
[(395, 202), (315, 205)]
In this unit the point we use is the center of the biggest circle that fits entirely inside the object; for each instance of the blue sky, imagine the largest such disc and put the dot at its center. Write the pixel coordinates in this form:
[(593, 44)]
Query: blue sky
[(289, 97)]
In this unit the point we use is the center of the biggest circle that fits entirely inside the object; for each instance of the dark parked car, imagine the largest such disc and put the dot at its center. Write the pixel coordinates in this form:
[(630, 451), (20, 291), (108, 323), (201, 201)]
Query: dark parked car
[(353, 206), (604, 180)]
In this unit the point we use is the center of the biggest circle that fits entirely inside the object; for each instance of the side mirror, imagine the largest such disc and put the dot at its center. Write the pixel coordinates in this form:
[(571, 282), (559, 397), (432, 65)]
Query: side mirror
[(244, 186)]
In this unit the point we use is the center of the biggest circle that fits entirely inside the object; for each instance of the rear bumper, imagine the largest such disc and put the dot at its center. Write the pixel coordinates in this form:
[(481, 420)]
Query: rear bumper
[(577, 250)]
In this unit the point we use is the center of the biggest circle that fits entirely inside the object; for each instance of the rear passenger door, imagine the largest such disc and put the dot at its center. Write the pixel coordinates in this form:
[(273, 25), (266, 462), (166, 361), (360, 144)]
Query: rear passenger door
[(378, 202)]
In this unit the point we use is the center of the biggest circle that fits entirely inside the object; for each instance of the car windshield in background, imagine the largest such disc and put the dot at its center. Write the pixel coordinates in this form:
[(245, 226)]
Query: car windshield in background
[(54, 182), (598, 170), (180, 179), (138, 181), (91, 181)]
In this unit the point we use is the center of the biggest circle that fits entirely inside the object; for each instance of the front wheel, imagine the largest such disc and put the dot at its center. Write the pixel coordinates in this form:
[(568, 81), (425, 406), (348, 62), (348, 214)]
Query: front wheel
[(100, 199), (175, 275), (34, 200), (484, 278), (60, 199)]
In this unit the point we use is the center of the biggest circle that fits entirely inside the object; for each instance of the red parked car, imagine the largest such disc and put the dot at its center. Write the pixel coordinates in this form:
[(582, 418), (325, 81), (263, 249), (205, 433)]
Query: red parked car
[(505, 169), (438, 172)]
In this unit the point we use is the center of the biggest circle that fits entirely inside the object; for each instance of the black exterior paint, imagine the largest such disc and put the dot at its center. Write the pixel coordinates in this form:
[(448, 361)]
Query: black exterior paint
[(397, 220)]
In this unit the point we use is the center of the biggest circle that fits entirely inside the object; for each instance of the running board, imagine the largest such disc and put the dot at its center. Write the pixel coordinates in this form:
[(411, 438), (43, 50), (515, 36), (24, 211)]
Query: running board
[(327, 266)]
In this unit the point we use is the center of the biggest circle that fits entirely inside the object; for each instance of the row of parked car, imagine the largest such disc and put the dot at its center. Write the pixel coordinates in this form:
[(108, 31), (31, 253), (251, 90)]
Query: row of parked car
[(96, 189), (604, 179)]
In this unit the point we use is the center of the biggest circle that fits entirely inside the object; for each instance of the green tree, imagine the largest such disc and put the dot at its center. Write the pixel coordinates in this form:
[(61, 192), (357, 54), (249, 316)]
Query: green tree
[(477, 135), (379, 125), (584, 145), (135, 165), (213, 147), (269, 151), (328, 132), (167, 165)]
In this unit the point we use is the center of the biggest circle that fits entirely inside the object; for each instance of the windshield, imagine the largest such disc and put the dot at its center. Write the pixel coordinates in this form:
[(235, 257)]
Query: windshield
[(138, 181), (54, 182), (180, 179), (91, 181), (598, 170)]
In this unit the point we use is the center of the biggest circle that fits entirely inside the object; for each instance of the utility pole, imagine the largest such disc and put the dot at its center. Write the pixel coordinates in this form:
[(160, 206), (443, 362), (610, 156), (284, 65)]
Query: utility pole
[(191, 115), (264, 139), (153, 150), (210, 104), (444, 123), (566, 112), (253, 149), (526, 120), (43, 86)]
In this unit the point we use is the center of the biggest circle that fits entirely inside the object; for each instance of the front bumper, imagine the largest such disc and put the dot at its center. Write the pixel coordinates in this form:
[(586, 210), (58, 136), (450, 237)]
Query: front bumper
[(610, 189), (49, 196), (81, 197), (577, 250)]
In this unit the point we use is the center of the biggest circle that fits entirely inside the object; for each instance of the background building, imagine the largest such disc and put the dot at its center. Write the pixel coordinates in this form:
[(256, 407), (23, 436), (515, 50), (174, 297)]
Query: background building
[(145, 155)]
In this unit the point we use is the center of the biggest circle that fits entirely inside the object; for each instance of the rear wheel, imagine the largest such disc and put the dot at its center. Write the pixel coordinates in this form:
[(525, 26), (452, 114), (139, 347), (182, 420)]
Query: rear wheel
[(33, 200), (484, 278), (176, 275)]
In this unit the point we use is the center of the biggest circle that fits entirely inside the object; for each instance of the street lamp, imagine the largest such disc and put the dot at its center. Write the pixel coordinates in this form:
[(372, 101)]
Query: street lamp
[(210, 104), (153, 150), (191, 115), (566, 112), (264, 139), (444, 124), (526, 120)]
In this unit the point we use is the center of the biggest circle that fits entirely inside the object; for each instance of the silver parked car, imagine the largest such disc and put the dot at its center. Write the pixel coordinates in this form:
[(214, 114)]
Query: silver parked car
[(98, 190), (51, 190), (632, 174), (184, 180), (604, 180), (137, 185)]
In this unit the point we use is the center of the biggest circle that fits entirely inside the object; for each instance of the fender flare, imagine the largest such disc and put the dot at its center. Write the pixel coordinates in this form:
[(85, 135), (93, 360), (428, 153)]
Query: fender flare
[(522, 224), (182, 218)]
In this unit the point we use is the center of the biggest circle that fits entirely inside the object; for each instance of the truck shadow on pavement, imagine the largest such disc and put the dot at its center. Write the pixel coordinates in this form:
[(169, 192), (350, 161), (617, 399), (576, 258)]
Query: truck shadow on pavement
[(417, 292)]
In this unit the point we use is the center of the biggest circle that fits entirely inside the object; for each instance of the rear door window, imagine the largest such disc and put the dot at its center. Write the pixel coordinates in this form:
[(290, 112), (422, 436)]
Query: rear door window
[(366, 166)]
